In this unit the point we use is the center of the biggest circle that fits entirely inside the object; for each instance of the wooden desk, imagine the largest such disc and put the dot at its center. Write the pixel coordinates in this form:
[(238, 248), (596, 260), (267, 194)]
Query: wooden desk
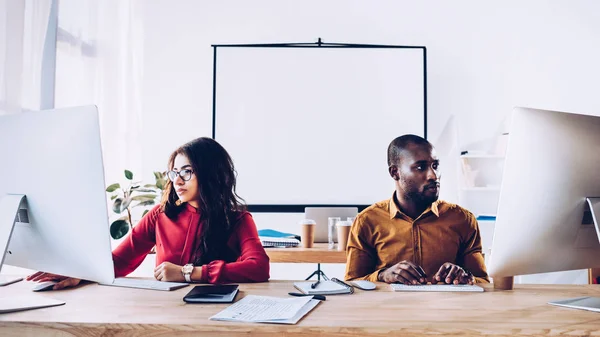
[(112, 311), (318, 254)]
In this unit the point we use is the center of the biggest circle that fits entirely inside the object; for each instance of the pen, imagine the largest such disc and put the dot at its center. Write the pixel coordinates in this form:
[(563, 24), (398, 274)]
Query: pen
[(316, 297), (314, 285)]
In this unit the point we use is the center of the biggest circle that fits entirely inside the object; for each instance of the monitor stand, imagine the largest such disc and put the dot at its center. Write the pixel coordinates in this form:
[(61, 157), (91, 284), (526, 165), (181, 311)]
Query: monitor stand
[(507, 283), (9, 212), (594, 204)]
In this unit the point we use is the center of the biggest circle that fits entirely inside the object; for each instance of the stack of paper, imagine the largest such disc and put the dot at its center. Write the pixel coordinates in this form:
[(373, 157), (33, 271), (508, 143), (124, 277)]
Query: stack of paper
[(267, 309)]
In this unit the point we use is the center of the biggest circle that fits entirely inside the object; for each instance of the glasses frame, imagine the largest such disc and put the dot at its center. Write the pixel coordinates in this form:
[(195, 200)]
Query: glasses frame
[(180, 174)]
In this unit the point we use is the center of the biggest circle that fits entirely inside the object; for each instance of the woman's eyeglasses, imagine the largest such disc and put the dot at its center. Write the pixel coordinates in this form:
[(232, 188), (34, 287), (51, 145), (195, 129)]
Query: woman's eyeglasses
[(185, 175)]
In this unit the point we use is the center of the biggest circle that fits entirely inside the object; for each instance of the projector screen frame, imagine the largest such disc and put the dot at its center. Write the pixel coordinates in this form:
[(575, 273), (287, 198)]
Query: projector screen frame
[(299, 208)]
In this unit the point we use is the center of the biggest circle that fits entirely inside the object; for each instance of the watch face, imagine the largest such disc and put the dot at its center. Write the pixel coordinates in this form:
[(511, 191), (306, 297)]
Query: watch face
[(188, 268)]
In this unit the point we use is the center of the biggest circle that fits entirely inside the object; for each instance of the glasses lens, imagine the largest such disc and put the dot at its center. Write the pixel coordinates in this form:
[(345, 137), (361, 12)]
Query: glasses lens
[(186, 174), (172, 175)]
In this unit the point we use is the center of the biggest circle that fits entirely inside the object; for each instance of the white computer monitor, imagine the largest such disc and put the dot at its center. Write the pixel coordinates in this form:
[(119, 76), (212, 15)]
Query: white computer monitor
[(544, 223), (54, 158)]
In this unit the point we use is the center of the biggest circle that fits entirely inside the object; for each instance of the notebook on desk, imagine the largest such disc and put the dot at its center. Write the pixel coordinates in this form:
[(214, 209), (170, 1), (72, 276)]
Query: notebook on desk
[(278, 242), (224, 293), (329, 287)]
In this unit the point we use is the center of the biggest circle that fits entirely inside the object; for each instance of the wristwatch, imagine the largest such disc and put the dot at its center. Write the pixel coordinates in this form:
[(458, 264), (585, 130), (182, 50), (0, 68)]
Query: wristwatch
[(187, 272)]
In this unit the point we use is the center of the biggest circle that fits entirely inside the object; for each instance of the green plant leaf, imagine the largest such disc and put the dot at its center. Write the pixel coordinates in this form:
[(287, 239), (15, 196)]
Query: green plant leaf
[(119, 229), (145, 190), (125, 204), (150, 185), (113, 197), (159, 175), (117, 205), (113, 187), (145, 203), (128, 175), (160, 184), (144, 197), (145, 212)]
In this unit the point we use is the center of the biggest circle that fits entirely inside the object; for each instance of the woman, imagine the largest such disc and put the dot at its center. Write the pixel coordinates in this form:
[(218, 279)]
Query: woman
[(201, 229)]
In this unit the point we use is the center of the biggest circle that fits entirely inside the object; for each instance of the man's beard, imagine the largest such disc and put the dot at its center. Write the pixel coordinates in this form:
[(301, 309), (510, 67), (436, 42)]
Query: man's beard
[(420, 199)]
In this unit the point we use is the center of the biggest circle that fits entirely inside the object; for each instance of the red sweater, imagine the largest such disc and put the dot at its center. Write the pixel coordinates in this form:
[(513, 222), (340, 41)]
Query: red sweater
[(176, 241)]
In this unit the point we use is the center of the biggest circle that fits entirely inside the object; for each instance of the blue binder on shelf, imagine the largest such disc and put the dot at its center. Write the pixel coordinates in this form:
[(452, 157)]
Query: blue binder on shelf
[(273, 238)]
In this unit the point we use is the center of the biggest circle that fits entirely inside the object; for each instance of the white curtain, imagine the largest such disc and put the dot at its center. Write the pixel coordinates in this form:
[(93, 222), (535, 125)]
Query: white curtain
[(23, 32), (99, 60)]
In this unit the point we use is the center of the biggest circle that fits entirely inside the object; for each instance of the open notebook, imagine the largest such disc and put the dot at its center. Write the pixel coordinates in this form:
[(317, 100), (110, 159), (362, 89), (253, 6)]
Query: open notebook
[(278, 242), (329, 287)]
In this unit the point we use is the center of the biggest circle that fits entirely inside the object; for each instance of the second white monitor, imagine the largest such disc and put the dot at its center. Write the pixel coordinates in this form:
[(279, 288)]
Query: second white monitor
[(552, 164)]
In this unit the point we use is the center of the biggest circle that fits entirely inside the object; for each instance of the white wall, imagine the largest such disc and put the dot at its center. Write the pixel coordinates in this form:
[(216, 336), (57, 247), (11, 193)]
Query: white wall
[(483, 57)]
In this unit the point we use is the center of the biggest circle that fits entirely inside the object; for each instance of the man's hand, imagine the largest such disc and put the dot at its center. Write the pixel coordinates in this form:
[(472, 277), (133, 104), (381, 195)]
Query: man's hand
[(404, 272), (168, 272), (450, 273), (63, 281)]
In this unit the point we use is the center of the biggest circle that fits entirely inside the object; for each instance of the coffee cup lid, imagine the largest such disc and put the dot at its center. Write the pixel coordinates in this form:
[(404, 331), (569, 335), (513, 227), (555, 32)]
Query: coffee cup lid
[(307, 222), (344, 223)]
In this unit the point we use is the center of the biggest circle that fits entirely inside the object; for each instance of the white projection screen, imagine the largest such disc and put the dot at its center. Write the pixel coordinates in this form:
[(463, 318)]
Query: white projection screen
[(311, 125)]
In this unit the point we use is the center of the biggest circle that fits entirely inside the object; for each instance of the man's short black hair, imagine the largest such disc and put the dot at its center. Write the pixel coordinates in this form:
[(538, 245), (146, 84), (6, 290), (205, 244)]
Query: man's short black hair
[(400, 144)]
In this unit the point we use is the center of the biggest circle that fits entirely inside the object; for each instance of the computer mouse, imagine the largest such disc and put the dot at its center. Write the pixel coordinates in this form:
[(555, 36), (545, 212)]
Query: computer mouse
[(43, 286), (364, 284)]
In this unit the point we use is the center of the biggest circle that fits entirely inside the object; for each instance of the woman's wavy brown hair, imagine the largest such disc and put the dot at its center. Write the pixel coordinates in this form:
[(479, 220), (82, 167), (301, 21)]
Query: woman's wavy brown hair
[(219, 204)]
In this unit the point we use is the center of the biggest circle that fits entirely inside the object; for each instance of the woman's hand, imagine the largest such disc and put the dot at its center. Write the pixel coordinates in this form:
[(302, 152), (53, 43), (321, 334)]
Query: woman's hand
[(63, 281), (168, 272)]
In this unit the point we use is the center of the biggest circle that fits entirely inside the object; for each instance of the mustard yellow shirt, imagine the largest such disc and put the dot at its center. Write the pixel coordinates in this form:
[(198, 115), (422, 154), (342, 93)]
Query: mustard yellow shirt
[(382, 236)]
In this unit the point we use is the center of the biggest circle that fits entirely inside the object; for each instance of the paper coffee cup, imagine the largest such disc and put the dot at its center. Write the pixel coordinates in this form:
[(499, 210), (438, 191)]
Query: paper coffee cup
[(343, 231), (307, 233)]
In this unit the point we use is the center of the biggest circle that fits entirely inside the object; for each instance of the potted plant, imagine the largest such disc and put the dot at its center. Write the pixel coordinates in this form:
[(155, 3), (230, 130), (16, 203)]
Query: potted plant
[(133, 196)]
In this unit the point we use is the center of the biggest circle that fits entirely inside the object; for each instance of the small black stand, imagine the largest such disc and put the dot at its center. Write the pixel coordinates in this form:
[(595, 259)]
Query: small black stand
[(319, 274)]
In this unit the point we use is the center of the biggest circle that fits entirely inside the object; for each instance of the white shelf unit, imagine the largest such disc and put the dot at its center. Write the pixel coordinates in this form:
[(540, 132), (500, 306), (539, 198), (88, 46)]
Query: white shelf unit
[(480, 192)]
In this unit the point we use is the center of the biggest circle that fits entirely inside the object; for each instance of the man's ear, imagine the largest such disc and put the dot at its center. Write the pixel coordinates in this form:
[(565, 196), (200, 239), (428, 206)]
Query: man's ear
[(393, 170)]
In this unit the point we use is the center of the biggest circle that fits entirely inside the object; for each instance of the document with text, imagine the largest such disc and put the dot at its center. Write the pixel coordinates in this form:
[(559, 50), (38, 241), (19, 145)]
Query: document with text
[(267, 309)]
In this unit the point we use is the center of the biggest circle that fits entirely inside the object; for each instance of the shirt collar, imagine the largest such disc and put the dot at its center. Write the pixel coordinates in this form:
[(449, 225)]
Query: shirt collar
[(395, 211), (190, 208)]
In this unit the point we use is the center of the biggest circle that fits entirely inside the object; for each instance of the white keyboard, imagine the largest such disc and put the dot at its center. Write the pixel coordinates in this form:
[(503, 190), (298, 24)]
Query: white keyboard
[(437, 287), (145, 284)]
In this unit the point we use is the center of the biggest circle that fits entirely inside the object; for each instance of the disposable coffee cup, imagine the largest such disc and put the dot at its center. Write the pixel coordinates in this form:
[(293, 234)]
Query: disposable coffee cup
[(307, 233), (343, 231)]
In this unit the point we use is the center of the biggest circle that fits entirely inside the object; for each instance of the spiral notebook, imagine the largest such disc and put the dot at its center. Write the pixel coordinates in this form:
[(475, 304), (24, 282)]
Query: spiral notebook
[(278, 242), (329, 287)]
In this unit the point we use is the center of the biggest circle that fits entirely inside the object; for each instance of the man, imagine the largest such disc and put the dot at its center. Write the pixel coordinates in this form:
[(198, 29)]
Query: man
[(414, 238)]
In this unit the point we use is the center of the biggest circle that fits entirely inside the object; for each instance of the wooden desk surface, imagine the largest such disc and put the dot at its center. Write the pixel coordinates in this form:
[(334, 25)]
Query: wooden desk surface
[(317, 254), (100, 310)]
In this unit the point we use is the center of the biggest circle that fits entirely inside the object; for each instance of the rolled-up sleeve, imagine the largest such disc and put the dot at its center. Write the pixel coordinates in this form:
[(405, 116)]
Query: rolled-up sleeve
[(361, 257)]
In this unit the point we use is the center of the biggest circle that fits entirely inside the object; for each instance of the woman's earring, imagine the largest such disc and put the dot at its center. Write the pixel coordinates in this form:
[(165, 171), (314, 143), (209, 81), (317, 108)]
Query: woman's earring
[(178, 202)]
